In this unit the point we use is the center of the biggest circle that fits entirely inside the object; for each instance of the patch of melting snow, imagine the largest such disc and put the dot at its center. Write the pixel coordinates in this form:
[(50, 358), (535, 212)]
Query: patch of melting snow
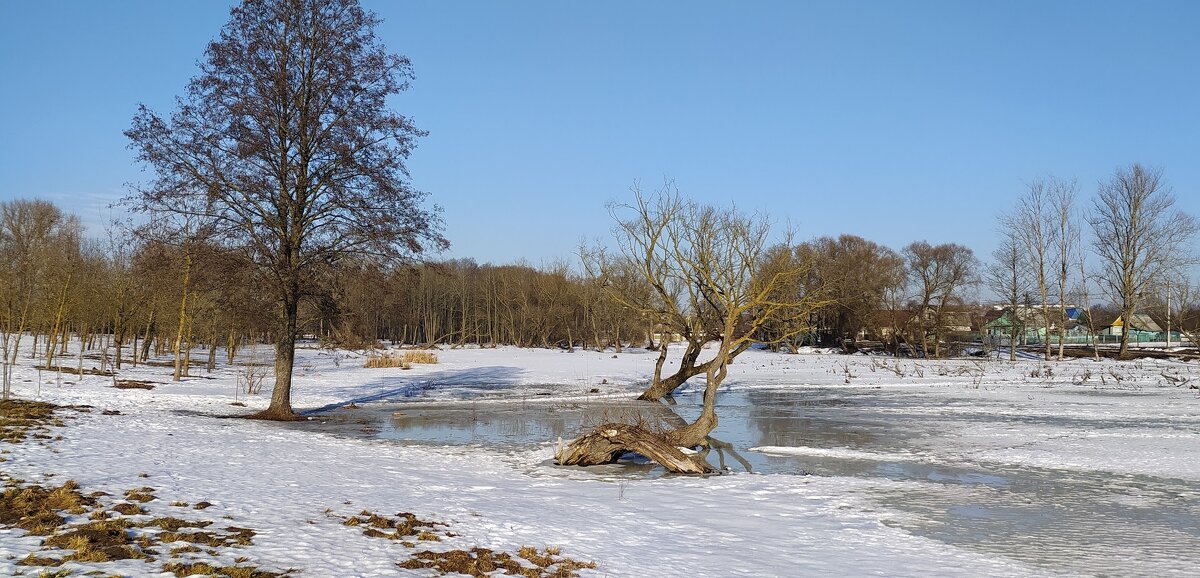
[(840, 453)]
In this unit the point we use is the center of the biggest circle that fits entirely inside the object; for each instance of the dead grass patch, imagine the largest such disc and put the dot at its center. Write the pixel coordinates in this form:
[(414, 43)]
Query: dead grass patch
[(386, 360), (39, 511), (425, 357), (401, 360), (482, 562), (172, 524), (20, 419), (401, 526), (35, 509), (181, 569), (99, 541), (230, 537), (133, 384), (142, 495), (478, 562), (128, 509)]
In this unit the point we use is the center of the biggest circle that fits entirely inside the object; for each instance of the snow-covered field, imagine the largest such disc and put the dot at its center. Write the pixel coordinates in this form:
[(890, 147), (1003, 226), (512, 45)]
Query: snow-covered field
[(295, 485)]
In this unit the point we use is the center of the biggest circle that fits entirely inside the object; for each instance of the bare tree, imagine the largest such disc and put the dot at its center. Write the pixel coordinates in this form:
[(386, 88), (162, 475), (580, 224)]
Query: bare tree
[(1008, 277), (940, 274), (1064, 244), (1033, 225), (704, 264), (285, 144), (1140, 237)]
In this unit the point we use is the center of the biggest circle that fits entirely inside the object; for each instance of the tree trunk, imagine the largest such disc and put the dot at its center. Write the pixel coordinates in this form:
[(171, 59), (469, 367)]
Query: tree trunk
[(285, 360), (608, 442), (212, 352), (660, 388), (1126, 313), (183, 302)]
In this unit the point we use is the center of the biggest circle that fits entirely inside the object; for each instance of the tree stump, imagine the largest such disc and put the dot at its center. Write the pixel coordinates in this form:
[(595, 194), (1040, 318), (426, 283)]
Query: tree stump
[(608, 442)]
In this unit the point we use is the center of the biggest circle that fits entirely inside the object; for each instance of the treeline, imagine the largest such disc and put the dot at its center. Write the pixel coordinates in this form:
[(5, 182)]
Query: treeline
[(133, 298), (130, 298)]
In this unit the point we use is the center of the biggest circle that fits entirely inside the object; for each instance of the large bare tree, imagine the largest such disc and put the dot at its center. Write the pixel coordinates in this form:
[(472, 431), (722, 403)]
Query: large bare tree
[(284, 145), (1140, 237)]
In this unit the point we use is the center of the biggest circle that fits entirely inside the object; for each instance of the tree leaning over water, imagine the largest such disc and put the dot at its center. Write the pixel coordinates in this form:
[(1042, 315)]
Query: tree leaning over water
[(285, 147)]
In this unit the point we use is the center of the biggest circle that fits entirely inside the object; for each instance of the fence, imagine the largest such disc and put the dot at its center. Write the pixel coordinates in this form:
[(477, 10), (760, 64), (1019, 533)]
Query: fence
[(1158, 339)]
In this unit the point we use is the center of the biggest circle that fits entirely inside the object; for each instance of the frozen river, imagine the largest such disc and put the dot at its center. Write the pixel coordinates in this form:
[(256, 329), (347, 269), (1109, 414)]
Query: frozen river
[(931, 468)]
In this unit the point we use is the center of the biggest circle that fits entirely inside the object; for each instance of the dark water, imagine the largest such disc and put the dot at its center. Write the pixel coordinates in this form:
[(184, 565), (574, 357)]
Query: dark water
[(1070, 521)]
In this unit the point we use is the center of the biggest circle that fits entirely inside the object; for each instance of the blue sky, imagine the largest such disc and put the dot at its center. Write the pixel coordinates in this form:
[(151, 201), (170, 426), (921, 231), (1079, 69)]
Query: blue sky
[(896, 121)]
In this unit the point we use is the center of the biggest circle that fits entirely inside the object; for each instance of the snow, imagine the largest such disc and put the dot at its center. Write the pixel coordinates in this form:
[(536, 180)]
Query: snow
[(294, 486)]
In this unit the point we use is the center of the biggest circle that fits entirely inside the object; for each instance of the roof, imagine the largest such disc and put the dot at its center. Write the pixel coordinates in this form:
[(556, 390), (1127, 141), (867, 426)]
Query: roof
[(1139, 322)]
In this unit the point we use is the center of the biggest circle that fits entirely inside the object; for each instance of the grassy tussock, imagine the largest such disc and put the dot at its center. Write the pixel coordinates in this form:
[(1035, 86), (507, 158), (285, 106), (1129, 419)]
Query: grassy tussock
[(142, 495)]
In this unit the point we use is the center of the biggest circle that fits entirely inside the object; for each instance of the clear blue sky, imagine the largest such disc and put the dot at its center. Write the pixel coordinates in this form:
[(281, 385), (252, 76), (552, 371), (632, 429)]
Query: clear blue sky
[(896, 121)]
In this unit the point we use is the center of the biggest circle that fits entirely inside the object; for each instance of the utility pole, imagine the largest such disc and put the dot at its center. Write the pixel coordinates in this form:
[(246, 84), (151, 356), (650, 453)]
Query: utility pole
[(1168, 314)]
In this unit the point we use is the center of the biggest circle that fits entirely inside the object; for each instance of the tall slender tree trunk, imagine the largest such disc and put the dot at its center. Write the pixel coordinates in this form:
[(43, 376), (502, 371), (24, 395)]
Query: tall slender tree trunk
[(59, 316), (183, 303), (148, 339)]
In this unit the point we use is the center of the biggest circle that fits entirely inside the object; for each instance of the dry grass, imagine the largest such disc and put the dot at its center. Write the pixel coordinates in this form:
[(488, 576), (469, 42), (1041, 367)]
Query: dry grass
[(142, 495), (127, 509), (482, 562), (424, 357), (39, 510), (386, 360), (403, 360), (479, 562), (230, 537), (181, 569), (36, 509), (402, 526), (98, 541), (20, 419), (133, 384)]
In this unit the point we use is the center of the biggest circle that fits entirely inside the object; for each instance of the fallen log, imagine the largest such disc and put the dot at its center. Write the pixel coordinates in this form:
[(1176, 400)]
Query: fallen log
[(608, 442)]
